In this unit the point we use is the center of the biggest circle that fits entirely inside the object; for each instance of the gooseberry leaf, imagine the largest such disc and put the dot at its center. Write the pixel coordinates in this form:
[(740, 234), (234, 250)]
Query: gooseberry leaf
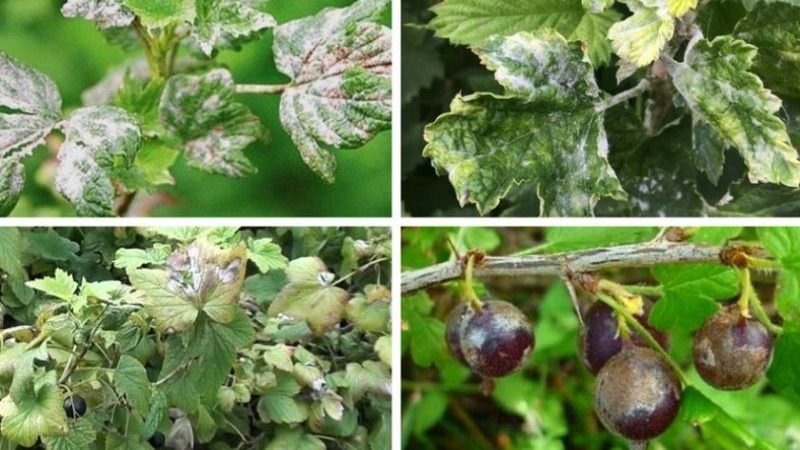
[(81, 436), (133, 258), (266, 255), (309, 296), (422, 333), (101, 141), (471, 22), (690, 295), (778, 59), (12, 180), (295, 439), (340, 93), (544, 130), (640, 38), (220, 23), (369, 310), (161, 13), (678, 8), (105, 13), (720, 91), (131, 380), (61, 286), (279, 405), (30, 106), (202, 111), (782, 372), (784, 244), (200, 278), (34, 410)]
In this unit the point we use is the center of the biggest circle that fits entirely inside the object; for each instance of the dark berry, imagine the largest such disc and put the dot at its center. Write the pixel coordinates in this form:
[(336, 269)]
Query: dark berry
[(730, 351), (74, 406), (496, 339), (599, 340), (157, 440), (455, 322), (637, 395)]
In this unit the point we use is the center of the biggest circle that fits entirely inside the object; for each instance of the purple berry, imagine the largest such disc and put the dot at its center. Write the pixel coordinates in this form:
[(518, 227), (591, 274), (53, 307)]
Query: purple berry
[(495, 339)]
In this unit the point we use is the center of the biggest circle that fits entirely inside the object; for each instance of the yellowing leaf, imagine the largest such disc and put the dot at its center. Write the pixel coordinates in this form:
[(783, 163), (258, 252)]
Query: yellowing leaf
[(640, 38), (678, 8)]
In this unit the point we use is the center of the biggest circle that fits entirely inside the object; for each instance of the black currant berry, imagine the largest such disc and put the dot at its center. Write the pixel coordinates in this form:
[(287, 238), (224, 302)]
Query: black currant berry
[(452, 333), (599, 340), (74, 406), (730, 351), (157, 440), (637, 395), (496, 338)]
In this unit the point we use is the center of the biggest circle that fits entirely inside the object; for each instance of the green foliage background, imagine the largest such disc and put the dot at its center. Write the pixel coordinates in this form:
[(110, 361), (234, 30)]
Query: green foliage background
[(549, 404), (76, 56)]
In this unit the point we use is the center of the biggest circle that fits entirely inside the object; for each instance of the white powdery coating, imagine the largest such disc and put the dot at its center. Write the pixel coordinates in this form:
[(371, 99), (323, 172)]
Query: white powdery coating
[(228, 19), (20, 134), (26, 89), (105, 90), (106, 13)]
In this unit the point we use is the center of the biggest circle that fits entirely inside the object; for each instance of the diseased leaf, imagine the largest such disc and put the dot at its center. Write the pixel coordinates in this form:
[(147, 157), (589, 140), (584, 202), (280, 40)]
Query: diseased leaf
[(597, 6), (201, 110), (544, 130), (221, 23), (105, 13), (680, 7), (775, 29), (640, 38), (81, 436), (340, 93), (38, 412), (471, 22), (30, 106), (101, 141), (720, 91), (12, 180), (161, 13)]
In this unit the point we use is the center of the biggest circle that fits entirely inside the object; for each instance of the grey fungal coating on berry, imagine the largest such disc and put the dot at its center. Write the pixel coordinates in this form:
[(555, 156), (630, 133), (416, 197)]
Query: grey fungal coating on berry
[(599, 338), (637, 395), (453, 331), (496, 339), (732, 352)]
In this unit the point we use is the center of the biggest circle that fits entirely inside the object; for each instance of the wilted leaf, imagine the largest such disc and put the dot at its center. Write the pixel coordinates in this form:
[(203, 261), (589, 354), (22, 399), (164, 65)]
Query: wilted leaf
[(544, 130), (221, 23), (340, 94), (202, 111), (101, 141)]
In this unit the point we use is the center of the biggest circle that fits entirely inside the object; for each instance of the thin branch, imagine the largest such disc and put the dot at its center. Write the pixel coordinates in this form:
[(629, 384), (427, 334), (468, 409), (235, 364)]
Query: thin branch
[(624, 256), (360, 269), (263, 89), (623, 96)]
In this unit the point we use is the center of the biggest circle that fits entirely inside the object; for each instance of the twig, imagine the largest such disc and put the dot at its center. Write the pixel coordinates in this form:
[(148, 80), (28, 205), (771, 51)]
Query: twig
[(623, 96), (360, 269), (624, 256), (471, 427), (265, 89)]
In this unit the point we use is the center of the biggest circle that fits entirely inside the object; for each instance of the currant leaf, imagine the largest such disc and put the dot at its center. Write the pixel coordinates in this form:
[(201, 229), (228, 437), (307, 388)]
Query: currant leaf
[(162, 13), (12, 180), (105, 13), (719, 89), (202, 111), (221, 23), (340, 93), (640, 38), (544, 130)]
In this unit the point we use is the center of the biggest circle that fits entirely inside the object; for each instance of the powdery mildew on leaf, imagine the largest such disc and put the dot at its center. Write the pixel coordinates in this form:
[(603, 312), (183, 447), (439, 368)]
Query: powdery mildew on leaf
[(340, 94), (544, 130), (33, 107), (106, 13), (201, 110), (716, 83), (597, 6), (678, 8), (471, 22), (161, 13), (640, 38), (219, 23), (100, 140), (12, 179)]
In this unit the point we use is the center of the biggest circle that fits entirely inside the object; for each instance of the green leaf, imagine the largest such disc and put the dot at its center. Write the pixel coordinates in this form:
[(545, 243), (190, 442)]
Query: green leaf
[(151, 167), (783, 374), (201, 278), (716, 84), (222, 23), (105, 13), (30, 106), (133, 258), (778, 40), (597, 6), (279, 405), (81, 436), (161, 13), (383, 347), (141, 98), (50, 245), (471, 22), (640, 38), (156, 411), (215, 128), (428, 410), (340, 93), (38, 413), (100, 142), (369, 311), (294, 439), (131, 381), (11, 245), (369, 377), (12, 180), (61, 286), (309, 296), (784, 244), (543, 131), (425, 334), (266, 255), (690, 295)]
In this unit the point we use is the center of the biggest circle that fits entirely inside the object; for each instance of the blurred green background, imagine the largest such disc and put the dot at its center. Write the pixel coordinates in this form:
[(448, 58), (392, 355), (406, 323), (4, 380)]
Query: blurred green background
[(76, 56)]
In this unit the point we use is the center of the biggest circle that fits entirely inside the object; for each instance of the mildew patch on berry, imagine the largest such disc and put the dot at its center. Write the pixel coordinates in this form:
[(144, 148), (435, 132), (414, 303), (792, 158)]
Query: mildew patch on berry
[(637, 395), (732, 352), (496, 339), (455, 321)]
